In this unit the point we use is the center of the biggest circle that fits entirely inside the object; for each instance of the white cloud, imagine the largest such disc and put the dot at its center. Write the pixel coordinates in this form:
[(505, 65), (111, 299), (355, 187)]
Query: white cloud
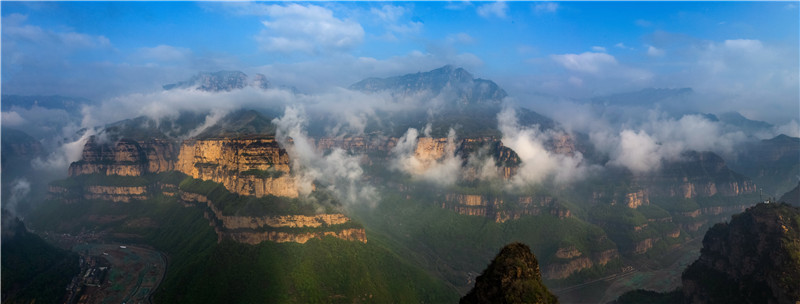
[(389, 13), (791, 128), (654, 52), (638, 152), (15, 31), (20, 188), (309, 29), (338, 172), (747, 76), (537, 163), (622, 46), (747, 45), (12, 119), (495, 9), (587, 62), (60, 159), (599, 49), (420, 157), (601, 68), (642, 147), (546, 7)]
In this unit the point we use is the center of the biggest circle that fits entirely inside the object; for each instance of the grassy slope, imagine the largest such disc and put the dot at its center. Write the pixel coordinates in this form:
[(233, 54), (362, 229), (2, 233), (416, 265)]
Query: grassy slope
[(204, 271), (452, 245)]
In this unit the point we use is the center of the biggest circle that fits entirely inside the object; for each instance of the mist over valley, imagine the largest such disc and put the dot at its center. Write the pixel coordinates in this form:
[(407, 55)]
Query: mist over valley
[(370, 152)]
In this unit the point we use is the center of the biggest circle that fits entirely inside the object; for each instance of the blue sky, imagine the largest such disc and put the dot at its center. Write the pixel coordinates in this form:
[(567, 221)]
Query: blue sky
[(738, 53)]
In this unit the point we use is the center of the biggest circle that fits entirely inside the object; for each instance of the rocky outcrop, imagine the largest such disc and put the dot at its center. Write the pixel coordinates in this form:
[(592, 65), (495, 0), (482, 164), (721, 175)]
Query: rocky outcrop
[(497, 209), (256, 237), (633, 197), (257, 229), (115, 193), (753, 259), (570, 260), (638, 198), (555, 270), (697, 174), (641, 247), (246, 166), (125, 157), (512, 277)]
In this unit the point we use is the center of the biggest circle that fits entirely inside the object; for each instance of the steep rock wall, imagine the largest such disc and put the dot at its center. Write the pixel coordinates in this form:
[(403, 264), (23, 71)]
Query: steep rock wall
[(125, 157), (498, 210), (256, 167), (569, 261), (250, 229)]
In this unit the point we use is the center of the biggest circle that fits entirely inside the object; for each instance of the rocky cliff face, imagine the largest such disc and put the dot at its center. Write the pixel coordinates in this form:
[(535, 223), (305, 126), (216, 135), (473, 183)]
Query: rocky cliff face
[(631, 198), (499, 210), (256, 237), (124, 157), (257, 229), (570, 260), (257, 166), (512, 277), (115, 194), (753, 259), (698, 174)]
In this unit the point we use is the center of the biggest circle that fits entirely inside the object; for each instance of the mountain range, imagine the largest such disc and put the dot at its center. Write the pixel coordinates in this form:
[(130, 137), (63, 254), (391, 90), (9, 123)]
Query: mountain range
[(248, 209)]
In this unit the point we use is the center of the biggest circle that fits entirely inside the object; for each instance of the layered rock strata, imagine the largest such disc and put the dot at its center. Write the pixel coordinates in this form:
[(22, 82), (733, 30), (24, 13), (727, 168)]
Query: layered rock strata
[(125, 157), (256, 167), (499, 210), (257, 229)]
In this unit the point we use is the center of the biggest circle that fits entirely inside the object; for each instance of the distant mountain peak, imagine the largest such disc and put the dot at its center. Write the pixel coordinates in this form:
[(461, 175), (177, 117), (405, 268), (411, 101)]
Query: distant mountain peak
[(220, 81), (456, 84)]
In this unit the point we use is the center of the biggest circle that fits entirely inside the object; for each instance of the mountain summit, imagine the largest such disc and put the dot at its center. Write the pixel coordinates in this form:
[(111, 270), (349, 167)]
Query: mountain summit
[(512, 277), (453, 83), (221, 81)]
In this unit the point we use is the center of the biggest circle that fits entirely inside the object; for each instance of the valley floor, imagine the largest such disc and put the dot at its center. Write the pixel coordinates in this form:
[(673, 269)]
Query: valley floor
[(645, 273), (122, 274)]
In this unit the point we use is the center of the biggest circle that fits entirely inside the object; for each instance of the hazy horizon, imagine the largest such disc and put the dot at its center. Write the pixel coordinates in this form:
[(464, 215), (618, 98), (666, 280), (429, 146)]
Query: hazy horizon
[(736, 56)]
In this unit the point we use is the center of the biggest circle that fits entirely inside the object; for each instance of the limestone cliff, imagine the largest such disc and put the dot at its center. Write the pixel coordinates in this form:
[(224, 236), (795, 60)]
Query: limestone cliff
[(570, 260), (246, 166), (499, 210), (257, 237), (125, 157), (257, 229), (633, 198), (123, 194), (697, 174), (115, 194), (429, 150)]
